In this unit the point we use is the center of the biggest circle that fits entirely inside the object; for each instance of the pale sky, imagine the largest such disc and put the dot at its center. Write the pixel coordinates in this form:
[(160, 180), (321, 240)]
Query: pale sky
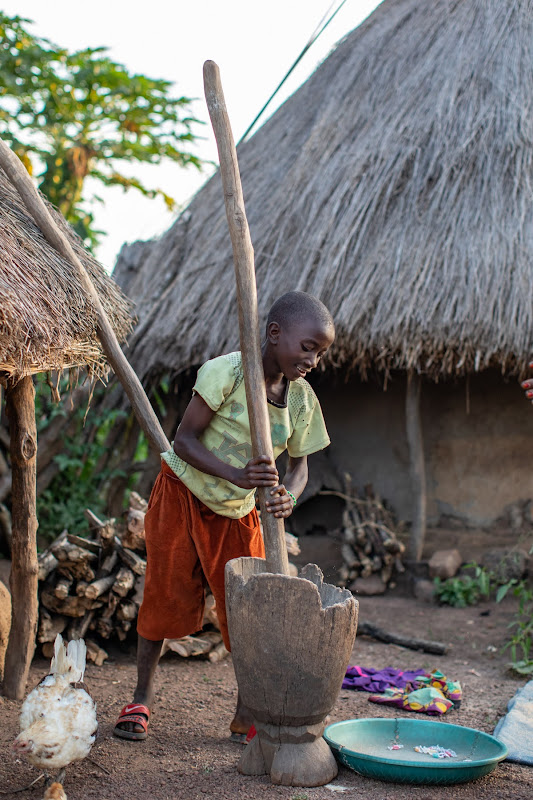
[(253, 43)]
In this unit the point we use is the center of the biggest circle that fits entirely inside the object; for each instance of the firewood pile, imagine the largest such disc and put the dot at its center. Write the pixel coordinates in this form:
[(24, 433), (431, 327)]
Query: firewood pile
[(92, 588), (370, 546)]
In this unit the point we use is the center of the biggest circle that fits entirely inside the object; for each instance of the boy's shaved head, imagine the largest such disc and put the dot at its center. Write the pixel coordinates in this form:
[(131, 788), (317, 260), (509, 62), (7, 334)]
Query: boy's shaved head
[(297, 307)]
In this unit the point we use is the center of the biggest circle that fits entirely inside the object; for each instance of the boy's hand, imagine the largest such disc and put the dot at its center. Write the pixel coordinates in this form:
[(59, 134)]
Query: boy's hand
[(259, 471), (280, 503)]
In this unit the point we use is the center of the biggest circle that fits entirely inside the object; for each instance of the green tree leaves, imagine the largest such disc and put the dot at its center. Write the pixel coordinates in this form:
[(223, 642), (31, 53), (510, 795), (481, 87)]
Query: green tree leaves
[(73, 115)]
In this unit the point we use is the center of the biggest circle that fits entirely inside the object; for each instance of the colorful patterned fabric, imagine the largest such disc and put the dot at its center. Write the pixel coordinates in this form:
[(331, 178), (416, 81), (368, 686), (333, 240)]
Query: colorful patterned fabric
[(428, 700), (415, 690), (378, 680)]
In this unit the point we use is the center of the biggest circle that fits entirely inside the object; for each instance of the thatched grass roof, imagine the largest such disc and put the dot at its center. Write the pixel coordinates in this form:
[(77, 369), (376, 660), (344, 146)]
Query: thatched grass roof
[(46, 321), (396, 185)]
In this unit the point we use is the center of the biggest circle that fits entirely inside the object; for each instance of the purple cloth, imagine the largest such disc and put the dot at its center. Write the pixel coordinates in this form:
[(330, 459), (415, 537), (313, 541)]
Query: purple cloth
[(377, 680)]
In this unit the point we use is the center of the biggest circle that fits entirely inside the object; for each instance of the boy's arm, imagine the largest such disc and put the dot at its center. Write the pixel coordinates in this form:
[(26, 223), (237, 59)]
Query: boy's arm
[(187, 445), (280, 503)]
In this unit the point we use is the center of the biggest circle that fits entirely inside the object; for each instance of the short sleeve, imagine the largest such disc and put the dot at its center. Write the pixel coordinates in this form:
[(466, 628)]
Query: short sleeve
[(310, 433), (215, 381)]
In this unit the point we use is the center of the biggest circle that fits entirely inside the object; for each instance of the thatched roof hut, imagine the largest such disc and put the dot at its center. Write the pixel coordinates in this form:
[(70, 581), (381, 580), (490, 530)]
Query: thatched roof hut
[(46, 320), (395, 184)]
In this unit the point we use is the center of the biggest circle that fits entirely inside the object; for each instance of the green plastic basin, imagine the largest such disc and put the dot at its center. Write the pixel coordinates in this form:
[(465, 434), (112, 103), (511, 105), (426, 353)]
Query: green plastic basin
[(362, 745)]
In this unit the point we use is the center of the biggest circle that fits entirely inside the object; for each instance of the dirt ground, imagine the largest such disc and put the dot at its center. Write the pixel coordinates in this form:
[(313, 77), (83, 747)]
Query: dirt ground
[(188, 754)]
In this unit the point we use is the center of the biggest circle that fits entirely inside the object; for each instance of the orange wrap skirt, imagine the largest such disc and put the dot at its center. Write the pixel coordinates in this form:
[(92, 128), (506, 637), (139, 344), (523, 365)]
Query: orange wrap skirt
[(187, 546)]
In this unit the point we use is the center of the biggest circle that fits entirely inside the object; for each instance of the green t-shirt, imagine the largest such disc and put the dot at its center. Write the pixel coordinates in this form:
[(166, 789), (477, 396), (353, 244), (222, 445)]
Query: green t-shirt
[(297, 427)]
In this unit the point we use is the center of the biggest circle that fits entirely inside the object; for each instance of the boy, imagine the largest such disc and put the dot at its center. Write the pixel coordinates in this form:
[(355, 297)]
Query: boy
[(202, 507)]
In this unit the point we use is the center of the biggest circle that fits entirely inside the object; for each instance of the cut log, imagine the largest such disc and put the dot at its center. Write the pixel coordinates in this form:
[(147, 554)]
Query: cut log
[(412, 643), (99, 587), (122, 629), (65, 551), (46, 560), (105, 627), (94, 547), (137, 502), (135, 521), (47, 650), (95, 654), (94, 522), (80, 570), (124, 581), (133, 536), (62, 588), (218, 653), (132, 560), (46, 563), (50, 625), (107, 536), (108, 564), (78, 628), (189, 646), (71, 606), (138, 594), (127, 611), (210, 612)]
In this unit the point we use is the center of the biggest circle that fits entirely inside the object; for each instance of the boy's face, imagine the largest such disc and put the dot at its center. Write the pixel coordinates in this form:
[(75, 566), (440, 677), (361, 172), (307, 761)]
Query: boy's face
[(300, 345)]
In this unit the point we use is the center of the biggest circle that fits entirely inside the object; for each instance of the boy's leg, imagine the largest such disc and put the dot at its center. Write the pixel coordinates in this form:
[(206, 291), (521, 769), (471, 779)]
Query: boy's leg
[(147, 659)]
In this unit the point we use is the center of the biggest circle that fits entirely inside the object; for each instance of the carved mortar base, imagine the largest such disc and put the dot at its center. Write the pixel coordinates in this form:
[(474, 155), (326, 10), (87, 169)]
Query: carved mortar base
[(293, 756), (291, 642)]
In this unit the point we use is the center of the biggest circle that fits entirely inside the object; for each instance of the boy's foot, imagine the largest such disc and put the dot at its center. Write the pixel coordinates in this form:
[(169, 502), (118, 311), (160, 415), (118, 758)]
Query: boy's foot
[(132, 722), (241, 723)]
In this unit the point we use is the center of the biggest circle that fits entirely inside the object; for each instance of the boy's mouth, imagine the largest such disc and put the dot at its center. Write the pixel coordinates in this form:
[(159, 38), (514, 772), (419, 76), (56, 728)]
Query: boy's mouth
[(303, 372)]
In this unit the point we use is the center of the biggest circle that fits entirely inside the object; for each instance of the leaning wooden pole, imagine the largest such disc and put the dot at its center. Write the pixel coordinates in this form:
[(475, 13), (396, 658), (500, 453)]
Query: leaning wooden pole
[(123, 370), (243, 259), (20, 407), (415, 441)]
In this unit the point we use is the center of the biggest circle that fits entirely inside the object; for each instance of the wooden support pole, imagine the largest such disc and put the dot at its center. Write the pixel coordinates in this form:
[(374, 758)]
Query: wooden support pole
[(243, 259), (415, 441), (123, 369), (20, 406)]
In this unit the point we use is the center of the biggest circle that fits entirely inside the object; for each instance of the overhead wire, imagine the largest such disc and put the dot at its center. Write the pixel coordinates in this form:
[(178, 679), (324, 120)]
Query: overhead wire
[(319, 29)]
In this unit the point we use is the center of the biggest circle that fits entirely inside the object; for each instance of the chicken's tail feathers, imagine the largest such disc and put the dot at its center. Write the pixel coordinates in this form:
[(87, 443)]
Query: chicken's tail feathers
[(69, 660), (77, 654)]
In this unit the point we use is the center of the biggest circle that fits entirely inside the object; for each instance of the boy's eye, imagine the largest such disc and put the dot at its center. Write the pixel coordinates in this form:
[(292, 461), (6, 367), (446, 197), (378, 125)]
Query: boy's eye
[(305, 349)]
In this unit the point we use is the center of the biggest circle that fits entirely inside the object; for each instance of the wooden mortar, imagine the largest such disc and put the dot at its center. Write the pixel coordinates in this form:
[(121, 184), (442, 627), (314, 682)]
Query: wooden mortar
[(291, 637)]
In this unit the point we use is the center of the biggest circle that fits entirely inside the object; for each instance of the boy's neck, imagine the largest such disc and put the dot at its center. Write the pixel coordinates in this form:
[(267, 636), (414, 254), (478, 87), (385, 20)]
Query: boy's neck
[(275, 380)]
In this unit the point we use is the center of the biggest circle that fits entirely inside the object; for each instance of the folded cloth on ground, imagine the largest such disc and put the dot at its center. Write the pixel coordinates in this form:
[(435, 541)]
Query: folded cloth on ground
[(413, 690), (427, 701), (515, 730), (377, 680)]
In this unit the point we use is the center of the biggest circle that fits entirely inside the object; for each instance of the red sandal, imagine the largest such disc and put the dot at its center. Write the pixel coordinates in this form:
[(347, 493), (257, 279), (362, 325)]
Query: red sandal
[(137, 713)]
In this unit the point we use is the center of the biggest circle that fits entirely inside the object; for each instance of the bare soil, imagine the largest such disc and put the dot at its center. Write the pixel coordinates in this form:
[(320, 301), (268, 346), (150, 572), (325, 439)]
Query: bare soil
[(188, 753)]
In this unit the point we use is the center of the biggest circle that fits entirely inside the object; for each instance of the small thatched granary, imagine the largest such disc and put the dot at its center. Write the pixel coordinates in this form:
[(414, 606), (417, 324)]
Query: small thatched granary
[(396, 185), (46, 323)]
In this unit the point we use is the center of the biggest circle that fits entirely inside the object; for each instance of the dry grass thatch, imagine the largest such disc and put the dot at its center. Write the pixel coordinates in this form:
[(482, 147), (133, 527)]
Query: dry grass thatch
[(396, 185), (46, 321)]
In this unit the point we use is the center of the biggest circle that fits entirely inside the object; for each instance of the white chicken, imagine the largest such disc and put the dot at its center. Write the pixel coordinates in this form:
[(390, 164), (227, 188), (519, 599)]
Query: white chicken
[(58, 718)]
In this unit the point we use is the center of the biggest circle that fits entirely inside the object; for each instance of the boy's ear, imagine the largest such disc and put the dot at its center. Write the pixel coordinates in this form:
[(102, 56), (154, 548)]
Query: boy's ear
[(273, 332)]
